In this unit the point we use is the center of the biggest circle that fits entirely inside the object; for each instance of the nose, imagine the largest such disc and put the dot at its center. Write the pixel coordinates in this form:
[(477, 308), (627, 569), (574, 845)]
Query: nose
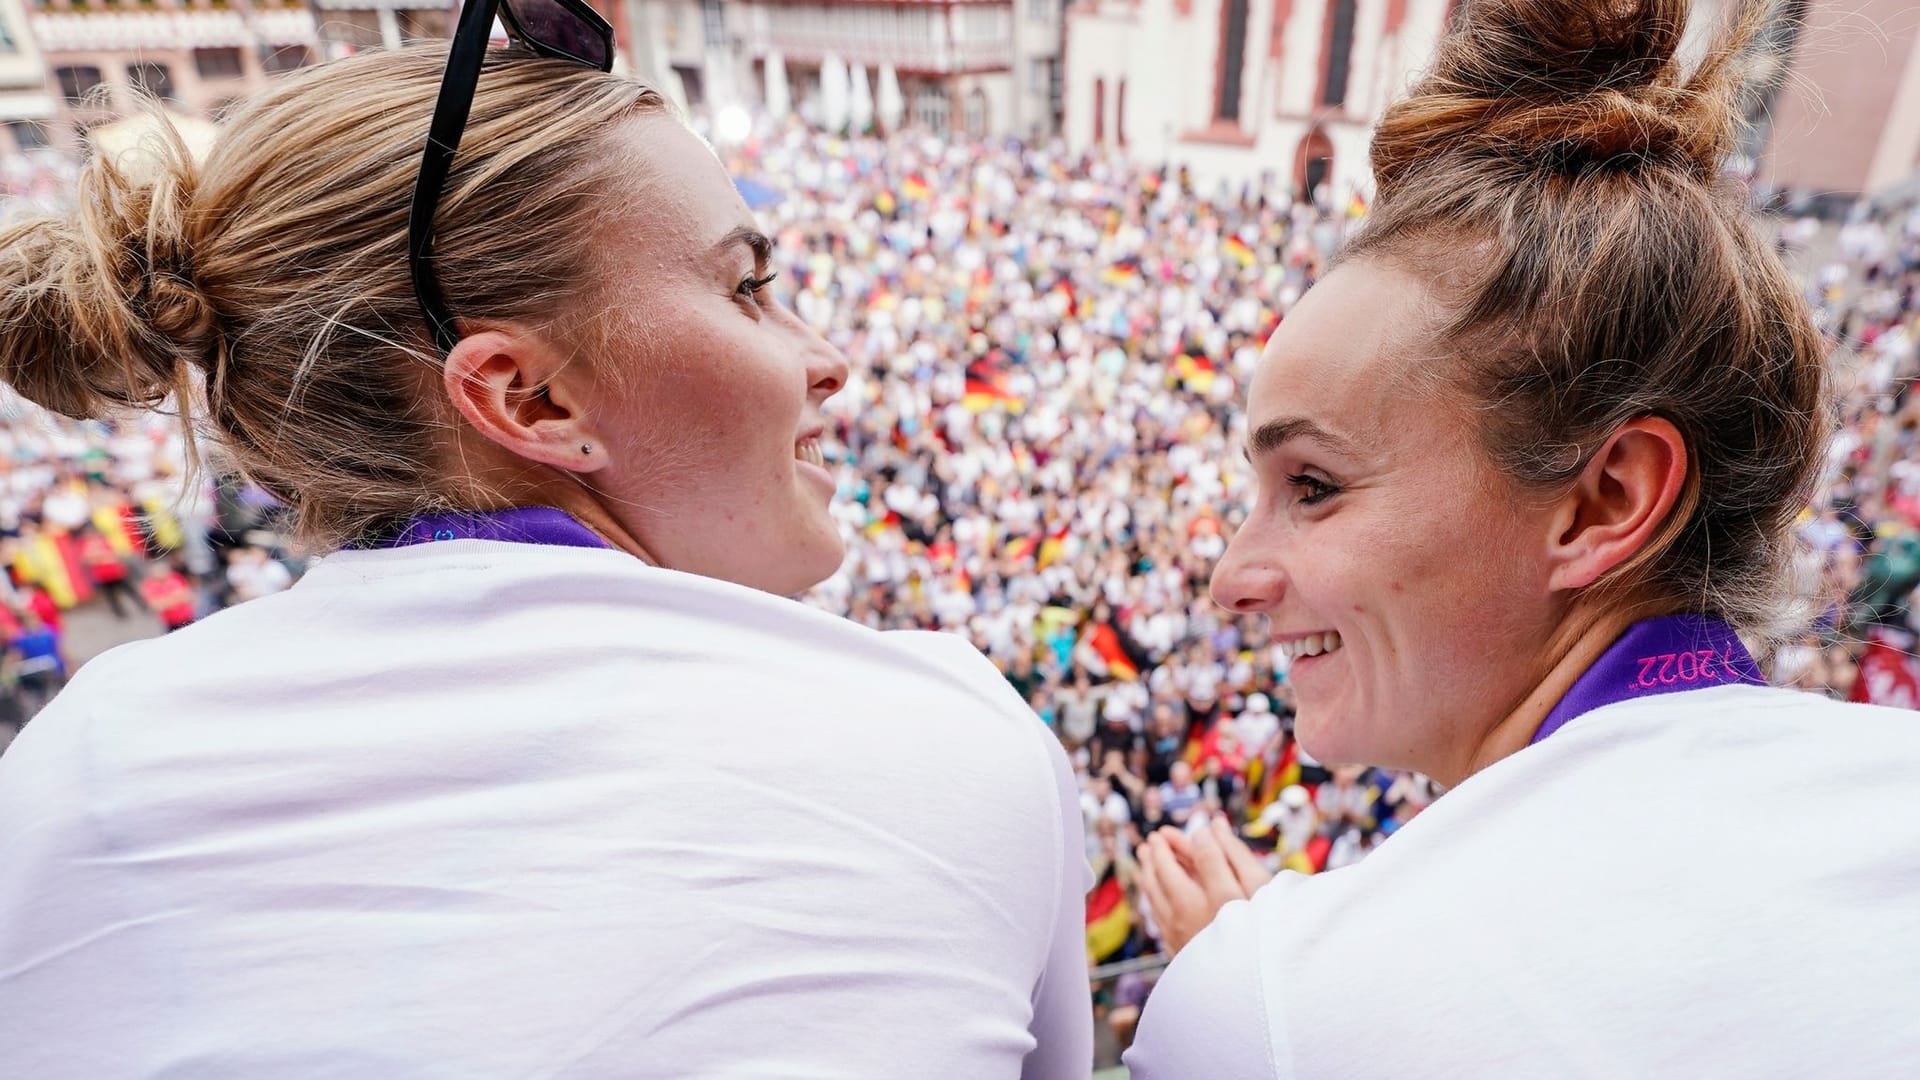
[(826, 368), (1248, 579), (826, 365)]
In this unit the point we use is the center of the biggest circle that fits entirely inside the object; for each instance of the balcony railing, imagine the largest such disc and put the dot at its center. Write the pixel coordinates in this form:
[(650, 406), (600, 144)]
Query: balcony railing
[(124, 31)]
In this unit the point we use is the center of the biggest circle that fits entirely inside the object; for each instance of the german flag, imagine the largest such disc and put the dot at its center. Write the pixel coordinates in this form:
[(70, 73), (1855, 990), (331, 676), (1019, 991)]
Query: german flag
[(1106, 642), (51, 560), (1237, 250), (115, 522), (1120, 273), (1266, 782), (1357, 206), (1196, 372), (987, 387), (1300, 863), (914, 188), (984, 394), (161, 520), (1064, 289), (1052, 546), (1317, 851), (1109, 918)]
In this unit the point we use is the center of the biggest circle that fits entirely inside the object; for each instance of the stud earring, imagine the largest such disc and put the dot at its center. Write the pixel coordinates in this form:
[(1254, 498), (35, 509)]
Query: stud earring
[(586, 448)]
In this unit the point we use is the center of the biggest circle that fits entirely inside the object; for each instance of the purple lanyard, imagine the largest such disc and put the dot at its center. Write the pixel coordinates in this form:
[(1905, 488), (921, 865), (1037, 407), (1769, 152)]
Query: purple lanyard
[(520, 525), (1658, 656)]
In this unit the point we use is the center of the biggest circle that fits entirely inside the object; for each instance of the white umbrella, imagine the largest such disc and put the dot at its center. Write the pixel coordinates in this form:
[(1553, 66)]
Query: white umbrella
[(888, 105), (779, 97), (860, 108), (833, 94)]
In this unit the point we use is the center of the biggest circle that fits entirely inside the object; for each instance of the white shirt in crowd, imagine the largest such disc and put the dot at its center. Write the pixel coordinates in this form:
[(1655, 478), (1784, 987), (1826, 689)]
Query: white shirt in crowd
[(256, 574), (475, 809), (1713, 883), (1256, 726), (67, 508)]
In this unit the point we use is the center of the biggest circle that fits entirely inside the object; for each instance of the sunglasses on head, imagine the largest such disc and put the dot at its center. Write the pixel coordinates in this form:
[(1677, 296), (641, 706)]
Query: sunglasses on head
[(557, 29)]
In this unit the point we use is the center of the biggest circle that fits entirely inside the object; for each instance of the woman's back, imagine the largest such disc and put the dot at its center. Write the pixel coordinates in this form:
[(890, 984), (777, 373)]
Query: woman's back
[(1708, 884), (474, 808)]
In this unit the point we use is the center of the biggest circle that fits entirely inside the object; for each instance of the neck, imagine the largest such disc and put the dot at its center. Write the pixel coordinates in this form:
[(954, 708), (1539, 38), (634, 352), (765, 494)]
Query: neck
[(1581, 638), (586, 507)]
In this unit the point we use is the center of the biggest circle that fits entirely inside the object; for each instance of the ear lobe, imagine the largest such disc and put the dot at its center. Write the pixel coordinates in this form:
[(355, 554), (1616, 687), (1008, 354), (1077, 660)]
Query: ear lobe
[(1622, 502)]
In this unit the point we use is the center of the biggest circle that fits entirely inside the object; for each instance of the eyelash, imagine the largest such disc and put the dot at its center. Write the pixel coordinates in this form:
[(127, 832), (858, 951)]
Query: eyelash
[(1318, 490), (750, 286)]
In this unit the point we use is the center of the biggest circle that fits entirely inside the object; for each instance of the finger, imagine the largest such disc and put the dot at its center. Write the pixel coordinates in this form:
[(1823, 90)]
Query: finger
[(1248, 868), (1179, 907), (1176, 884), (1211, 869), (1149, 883), (1176, 841)]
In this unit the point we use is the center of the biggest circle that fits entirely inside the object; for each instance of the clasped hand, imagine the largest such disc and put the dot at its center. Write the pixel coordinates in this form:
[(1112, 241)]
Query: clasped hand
[(1188, 879)]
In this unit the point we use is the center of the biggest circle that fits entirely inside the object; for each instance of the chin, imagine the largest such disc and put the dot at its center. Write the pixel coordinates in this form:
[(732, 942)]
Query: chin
[(1322, 733), (812, 560)]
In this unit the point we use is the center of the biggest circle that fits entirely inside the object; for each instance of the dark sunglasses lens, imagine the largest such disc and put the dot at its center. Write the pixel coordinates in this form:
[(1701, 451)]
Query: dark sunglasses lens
[(552, 26)]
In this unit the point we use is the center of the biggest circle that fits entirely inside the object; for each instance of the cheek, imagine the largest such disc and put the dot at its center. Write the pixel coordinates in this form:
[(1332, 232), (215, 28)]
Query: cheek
[(1462, 592), (707, 408)]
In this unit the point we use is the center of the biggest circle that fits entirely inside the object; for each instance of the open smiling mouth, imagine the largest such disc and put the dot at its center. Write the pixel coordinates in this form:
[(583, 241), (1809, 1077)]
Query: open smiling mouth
[(1310, 645), (808, 450)]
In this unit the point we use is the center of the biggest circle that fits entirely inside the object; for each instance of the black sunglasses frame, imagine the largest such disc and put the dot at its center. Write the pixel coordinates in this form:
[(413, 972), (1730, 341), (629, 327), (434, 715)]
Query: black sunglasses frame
[(464, 61)]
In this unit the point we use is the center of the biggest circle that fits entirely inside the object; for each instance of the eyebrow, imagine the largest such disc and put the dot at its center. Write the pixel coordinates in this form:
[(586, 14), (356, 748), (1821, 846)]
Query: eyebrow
[(1274, 434), (755, 241)]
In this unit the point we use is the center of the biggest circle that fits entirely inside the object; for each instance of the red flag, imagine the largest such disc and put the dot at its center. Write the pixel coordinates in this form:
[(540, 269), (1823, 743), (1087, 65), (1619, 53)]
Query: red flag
[(1888, 676)]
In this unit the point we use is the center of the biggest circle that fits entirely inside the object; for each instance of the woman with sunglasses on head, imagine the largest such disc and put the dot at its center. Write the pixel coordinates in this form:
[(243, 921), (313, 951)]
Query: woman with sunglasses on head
[(1530, 458), (457, 804)]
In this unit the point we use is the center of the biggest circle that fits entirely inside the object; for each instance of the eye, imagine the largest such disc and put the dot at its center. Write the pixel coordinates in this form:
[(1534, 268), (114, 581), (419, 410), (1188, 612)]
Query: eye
[(1312, 489), (750, 286)]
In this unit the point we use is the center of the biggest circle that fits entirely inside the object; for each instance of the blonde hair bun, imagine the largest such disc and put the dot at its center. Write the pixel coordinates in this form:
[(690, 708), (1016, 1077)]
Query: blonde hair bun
[(100, 309)]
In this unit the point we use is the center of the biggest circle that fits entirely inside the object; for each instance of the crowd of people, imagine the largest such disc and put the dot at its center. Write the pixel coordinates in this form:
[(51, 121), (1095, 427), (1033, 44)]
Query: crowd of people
[(1039, 448), (108, 520)]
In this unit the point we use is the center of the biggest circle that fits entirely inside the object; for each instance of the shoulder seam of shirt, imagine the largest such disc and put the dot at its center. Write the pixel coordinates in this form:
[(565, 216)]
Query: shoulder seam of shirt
[(1058, 830), (1260, 1003)]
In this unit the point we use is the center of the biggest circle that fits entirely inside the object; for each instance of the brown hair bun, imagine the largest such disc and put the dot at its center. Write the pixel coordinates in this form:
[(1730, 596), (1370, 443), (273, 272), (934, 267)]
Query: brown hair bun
[(1568, 86)]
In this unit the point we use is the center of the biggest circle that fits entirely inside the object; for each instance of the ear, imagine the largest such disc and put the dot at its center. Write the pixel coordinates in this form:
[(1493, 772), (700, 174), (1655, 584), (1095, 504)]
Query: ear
[(505, 383), (1620, 502)]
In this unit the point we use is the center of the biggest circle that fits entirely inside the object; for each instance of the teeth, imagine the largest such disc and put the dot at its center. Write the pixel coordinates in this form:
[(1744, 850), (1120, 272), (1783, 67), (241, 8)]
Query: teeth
[(1311, 645), (811, 453)]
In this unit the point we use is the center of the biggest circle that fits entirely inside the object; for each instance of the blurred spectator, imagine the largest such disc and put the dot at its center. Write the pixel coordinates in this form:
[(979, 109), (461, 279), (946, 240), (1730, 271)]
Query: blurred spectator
[(108, 572)]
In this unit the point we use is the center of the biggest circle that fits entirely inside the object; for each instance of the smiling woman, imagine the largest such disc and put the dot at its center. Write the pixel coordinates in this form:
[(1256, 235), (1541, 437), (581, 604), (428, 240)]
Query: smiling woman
[(1529, 460), (540, 771)]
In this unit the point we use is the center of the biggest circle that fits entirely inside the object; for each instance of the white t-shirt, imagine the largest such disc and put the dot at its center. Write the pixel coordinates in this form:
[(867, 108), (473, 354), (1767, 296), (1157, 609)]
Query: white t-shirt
[(475, 809), (1714, 883)]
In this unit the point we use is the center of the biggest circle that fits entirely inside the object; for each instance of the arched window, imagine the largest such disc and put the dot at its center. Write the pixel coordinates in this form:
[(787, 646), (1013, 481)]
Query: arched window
[(1099, 110), (931, 109), (1339, 65), (976, 111), (1312, 164), (1233, 60), (1120, 113)]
